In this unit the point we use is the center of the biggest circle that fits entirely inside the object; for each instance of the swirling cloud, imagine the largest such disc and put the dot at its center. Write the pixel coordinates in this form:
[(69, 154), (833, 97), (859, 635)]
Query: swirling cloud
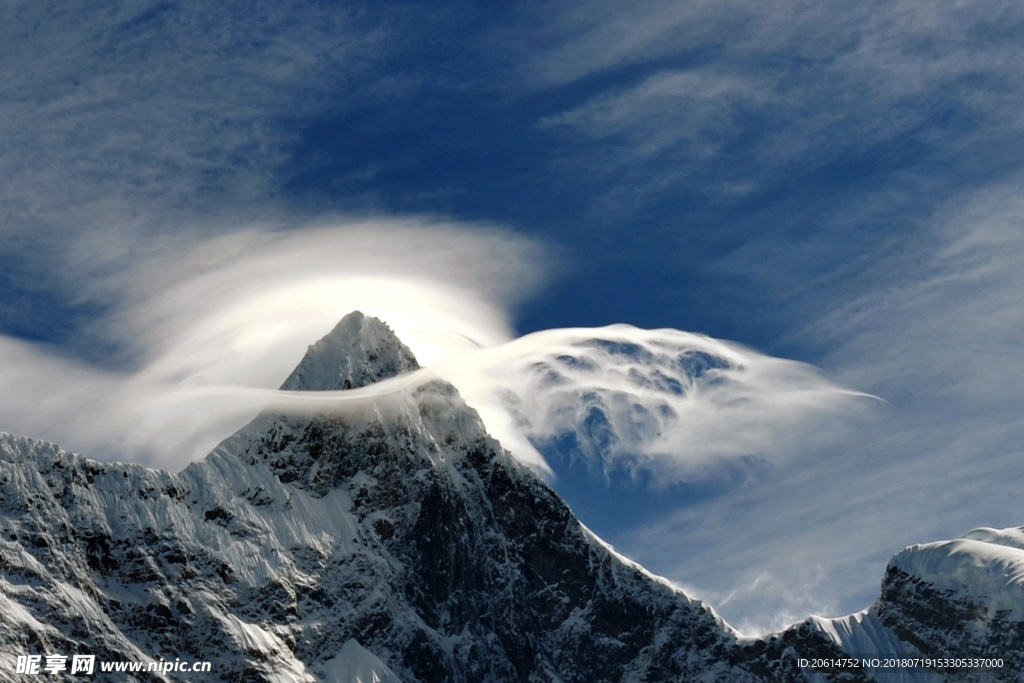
[(239, 310)]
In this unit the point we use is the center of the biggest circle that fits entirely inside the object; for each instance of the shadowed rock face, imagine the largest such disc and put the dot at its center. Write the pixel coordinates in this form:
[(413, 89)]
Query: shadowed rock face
[(395, 532)]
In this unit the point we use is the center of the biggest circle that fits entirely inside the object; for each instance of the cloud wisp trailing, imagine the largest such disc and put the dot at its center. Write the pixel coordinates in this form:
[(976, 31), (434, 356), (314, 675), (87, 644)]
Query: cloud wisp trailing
[(216, 326), (727, 100)]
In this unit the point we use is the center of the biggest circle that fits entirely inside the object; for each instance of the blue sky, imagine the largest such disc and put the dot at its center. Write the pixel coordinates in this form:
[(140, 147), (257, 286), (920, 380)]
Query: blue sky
[(836, 186)]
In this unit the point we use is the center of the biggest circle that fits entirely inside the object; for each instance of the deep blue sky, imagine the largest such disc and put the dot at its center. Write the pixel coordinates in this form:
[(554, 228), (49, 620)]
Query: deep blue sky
[(836, 180), (835, 185)]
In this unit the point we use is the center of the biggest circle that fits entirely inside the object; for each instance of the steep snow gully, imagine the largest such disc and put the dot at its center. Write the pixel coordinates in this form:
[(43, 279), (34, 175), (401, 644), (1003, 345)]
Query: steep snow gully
[(395, 541)]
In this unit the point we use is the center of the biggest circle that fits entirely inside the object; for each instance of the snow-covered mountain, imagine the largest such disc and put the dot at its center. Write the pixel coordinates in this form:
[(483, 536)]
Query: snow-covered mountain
[(392, 539), (959, 599)]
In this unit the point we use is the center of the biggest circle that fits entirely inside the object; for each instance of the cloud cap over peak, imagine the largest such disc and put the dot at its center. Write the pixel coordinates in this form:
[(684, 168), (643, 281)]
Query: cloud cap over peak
[(360, 350)]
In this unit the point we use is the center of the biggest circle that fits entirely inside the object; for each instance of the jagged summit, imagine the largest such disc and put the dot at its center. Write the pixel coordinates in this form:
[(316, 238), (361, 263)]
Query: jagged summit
[(360, 350)]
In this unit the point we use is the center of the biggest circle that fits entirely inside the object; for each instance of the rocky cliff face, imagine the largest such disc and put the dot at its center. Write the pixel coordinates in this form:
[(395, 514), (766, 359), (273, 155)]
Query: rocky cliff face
[(389, 539)]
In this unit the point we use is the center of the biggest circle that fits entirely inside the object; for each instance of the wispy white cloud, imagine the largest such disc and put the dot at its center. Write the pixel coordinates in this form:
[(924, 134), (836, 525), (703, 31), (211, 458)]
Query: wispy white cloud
[(240, 309), (949, 301), (588, 38), (143, 116), (932, 327), (217, 318), (672, 405), (647, 116), (743, 95)]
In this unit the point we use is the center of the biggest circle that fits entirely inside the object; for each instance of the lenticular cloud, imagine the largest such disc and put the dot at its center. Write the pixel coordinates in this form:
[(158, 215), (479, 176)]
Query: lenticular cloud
[(669, 402), (216, 324)]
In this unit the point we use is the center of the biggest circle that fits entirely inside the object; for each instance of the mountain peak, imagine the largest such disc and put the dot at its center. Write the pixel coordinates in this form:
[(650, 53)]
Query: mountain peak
[(360, 350)]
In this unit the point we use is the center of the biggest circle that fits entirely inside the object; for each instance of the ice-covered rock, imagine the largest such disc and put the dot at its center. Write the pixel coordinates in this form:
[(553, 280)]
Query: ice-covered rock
[(356, 664)]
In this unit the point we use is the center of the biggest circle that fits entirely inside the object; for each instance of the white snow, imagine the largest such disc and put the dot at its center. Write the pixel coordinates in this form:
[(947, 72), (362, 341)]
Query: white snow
[(325, 524), (249, 636), (863, 635), (986, 568), (1013, 537), (355, 664), (626, 562), (989, 574), (282, 666), (13, 613)]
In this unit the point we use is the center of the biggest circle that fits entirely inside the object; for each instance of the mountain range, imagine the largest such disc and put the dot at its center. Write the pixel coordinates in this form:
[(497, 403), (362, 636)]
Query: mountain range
[(391, 539)]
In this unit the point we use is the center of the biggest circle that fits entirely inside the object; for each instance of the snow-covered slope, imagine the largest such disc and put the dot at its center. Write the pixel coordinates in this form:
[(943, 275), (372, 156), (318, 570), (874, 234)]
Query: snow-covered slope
[(985, 569), (864, 636), (356, 664), (382, 540), (961, 599)]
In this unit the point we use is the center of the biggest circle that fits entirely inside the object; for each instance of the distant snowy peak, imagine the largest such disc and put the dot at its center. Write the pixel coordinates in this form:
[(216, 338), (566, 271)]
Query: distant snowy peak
[(960, 599), (985, 569), (359, 351)]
